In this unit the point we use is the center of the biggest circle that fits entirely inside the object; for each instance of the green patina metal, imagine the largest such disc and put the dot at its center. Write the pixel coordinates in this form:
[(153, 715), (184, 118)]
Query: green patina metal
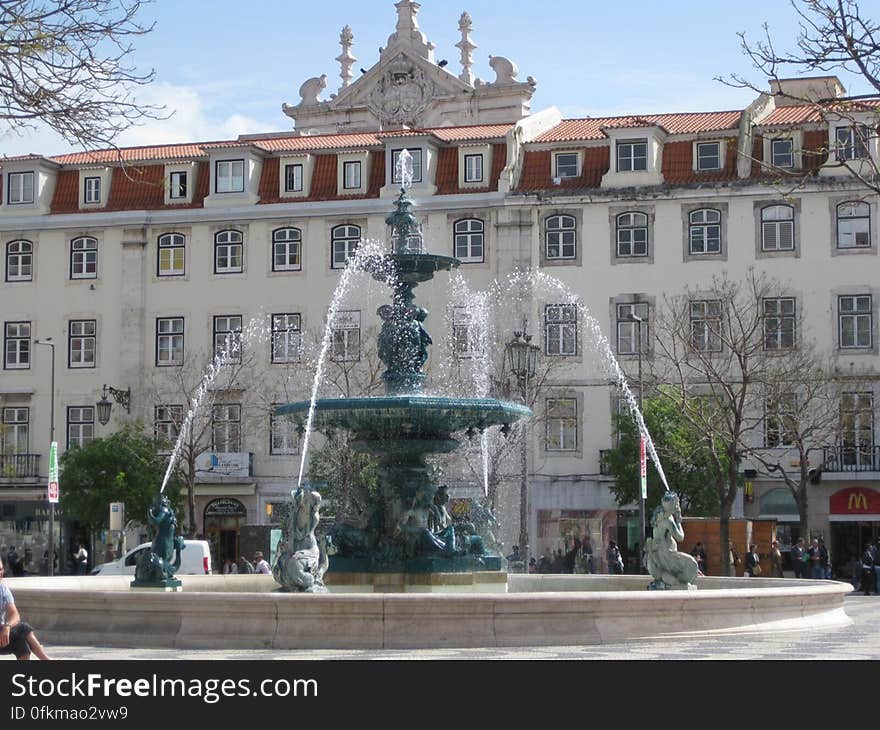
[(407, 529), (156, 567)]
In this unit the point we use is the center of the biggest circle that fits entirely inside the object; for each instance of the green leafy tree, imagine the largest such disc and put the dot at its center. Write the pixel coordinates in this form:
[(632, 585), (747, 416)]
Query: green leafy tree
[(125, 467), (684, 458), (346, 477)]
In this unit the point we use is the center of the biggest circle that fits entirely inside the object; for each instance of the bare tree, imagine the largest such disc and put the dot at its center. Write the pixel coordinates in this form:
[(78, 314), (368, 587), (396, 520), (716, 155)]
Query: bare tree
[(66, 63)]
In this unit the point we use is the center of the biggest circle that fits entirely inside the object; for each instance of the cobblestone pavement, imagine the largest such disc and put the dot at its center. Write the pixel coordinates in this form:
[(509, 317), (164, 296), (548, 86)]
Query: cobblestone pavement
[(861, 640)]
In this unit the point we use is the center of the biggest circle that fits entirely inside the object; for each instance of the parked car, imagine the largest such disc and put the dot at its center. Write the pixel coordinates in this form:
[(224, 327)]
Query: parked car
[(195, 559)]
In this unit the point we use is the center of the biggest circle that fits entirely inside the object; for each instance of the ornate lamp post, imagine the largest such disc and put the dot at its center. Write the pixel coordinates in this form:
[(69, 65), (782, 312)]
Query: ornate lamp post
[(103, 406), (633, 317), (522, 359), (50, 568)]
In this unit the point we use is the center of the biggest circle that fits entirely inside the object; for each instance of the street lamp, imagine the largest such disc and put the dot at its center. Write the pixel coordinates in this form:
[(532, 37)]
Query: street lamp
[(633, 317), (50, 567), (103, 406), (522, 359)]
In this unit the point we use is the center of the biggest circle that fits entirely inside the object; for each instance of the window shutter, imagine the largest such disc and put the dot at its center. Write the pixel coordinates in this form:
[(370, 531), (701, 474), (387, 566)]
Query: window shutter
[(771, 242), (786, 235)]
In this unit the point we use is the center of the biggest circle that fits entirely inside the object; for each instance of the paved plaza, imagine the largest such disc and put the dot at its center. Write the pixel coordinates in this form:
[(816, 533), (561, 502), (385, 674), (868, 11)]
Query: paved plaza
[(861, 640)]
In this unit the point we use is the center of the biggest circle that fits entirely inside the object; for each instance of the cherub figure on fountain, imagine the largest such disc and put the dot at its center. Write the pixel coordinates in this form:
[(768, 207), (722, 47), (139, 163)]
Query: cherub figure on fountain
[(301, 561), (156, 567), (669, 568)]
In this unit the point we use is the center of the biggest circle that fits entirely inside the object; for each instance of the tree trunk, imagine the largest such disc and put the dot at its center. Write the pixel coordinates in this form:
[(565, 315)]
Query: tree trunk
[(724, 537)]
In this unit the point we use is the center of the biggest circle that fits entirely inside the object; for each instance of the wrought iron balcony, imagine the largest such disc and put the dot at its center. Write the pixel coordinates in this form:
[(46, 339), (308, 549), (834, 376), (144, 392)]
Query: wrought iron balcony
[(851, 458), (18, 466)]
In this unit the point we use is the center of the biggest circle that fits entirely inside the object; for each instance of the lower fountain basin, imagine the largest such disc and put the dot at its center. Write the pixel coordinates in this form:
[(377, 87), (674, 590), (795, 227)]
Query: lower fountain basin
[(244, 611)]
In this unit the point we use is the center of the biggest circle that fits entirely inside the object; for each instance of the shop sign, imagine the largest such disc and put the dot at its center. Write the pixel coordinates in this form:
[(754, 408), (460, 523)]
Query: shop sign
[(223, 464), (225, 507), (855, 501)]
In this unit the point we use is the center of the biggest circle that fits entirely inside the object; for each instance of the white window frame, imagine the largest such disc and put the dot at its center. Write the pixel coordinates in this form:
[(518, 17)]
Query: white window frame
[(178, 185), (704, 232), (173, 246), (286, 344), (774, 228), (417, 159), (20, 260), (15, 433), (16, 345), (293, 177), (466, 343), (779, 421), (287, 249), (564, 168), (345, 345), (848, 214), (228, 252), (80, 426), (851, 142), (91, 190), (700, 156), (167, 419), (562, 429), (855, 318), (857, 436), (560, 235), (703, 313), (469, 240), (473, 167), (169, 341), (788, 156), (631, 155), (628, 330), (343, 244), (229, 176), (779, 316), (20, 188), (349, 177), (84, 258), (82, 343), (284, 437), (227, 336), (627, 225), (226, 428), (561, 329)]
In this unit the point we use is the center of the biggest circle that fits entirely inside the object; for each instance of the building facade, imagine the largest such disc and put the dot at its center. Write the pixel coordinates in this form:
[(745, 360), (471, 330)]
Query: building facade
[(141, 264)]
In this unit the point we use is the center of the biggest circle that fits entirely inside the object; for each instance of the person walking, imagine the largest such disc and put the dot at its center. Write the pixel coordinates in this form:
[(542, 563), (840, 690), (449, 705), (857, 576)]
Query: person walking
[(82, 559), (775, 560), (869, 566), (753, 562), (818, 557), (797, 558), (260, 565), (16, 636), (614, 558)]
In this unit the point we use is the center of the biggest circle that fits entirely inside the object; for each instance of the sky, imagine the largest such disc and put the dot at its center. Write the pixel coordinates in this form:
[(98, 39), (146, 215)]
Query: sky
[(225, 67)]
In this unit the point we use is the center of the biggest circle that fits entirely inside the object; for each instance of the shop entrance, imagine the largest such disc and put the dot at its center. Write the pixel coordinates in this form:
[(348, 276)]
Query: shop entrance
[(848, 542), (223, 519)]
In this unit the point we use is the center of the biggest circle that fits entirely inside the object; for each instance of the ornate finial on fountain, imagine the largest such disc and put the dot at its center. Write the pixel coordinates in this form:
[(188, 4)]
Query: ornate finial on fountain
[(467, 47), (406, 234), (346, 59)]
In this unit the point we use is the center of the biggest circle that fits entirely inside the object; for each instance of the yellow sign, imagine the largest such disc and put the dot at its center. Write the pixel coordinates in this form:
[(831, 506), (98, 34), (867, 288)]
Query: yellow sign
[(857, 500)]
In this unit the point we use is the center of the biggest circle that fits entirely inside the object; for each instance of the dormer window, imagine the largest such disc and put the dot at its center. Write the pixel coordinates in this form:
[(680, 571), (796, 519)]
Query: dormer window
[(178, 185), (851, 143), (632, 155), (566, 164), (229, 176), (92, 188), (351, 175), (20, 188), (708, 156), (416, 155), (473, 168), (782, 152), (293, 178)]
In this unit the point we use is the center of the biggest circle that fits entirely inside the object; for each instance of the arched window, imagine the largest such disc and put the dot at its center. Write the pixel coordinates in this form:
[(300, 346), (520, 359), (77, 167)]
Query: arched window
[(287, 249), (560, 233), (704, 231), (84, 258), (19, 261), (632, 234), (469, 240), (777, 228), (228, 249), (853, 224), (344, 241), (172, 254)]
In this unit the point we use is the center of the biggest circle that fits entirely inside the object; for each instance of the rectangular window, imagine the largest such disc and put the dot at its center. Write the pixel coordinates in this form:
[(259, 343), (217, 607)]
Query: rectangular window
[(465, 336), (228, 252), (169, 341), (562, 424), (851, 142), (227, 337), (473, 168), (284, 438), (628, 332), (177, 188), (286, 338), (21, 188), (19, 261), (854, 225), (82, 343), (779, 420), (351, 175), (166, 422), (84, 258), (777, 228), (632, 155), (469, 240), (566, 164), (293, 178), (857, 431), (14, 433), (92, 187), (780, 328), (346, 337), (560, 329), (229, 177), (172, 254), (17, 346), (709, 156), (705, 319), (226, 428), (80, 426), (856, 321), (416, 165), (782, 152)]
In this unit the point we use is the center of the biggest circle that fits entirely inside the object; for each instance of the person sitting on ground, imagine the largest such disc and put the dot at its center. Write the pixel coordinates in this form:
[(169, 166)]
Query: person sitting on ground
[(16, 637)]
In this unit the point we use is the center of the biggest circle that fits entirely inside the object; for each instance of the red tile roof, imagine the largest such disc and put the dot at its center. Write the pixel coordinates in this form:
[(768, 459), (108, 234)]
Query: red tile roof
[(573, 130), (447, 171), (807, 113), (324, 180), (536, 171), (678, 164), (132, 154)]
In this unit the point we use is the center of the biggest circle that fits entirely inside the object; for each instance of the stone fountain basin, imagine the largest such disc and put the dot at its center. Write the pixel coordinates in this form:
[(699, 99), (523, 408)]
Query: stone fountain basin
[(412, 268), (413, 416), (243, 611)]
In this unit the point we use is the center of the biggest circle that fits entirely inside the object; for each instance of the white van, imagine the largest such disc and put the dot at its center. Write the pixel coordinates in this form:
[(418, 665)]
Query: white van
[(195, 559)]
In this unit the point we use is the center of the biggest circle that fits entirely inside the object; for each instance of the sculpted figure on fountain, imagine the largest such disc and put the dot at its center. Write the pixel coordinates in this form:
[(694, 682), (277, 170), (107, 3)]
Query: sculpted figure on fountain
[(668, 567), (301, 561)]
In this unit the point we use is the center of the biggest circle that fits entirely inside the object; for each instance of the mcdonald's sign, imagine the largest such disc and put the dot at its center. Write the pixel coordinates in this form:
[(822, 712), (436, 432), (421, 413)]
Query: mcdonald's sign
[(855, 501)]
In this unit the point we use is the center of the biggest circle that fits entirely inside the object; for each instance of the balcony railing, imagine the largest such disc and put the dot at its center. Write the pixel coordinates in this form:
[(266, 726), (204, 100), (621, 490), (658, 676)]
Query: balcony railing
[(16, 466), (851, 458)]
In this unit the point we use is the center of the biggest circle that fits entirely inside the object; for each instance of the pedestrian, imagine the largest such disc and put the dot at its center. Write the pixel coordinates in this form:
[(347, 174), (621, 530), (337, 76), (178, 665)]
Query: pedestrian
[(869, 566), (876, 562), (533, 565), (817, 569), (825, 559), (797, 558), (229, 567), (699, 554), (16, 564), (775, 560), (587, 552), (733, 559), (260, 565), (82, 559), (753, 562), (614, 558), (16, 637)]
